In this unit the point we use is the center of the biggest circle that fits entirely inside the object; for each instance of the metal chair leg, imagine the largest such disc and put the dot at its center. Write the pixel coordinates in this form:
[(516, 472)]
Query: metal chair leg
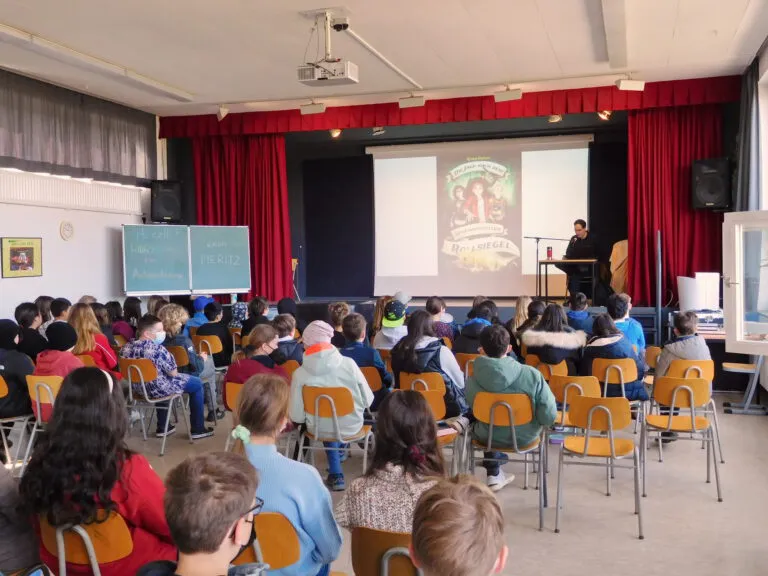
[(525, 483), (167, 424), (541, 487), (638, 503), (560, 471), (717, 434), (187, 421), (643, 452), (29, 449), (607, 476), (717, 471)]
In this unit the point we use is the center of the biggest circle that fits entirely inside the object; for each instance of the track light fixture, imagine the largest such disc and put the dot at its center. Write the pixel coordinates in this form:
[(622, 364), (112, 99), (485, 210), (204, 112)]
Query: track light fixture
[(555, 118), (335, 132), (604, 114)]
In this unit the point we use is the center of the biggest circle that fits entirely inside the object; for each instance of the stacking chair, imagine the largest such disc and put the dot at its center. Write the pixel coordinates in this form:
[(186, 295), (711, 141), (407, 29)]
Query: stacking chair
[(86, 359), (236, 338), (373, 377), (386, 356), (331, 403), (87, 544), (599, 415), (380, 553), (231, 395), (506, 411), (547, 370), (181, 357), (42, 391), (695, 397), (290, 366), (617, 372), (652, 354), (424, 381), (447, 342), (193, 331), (564, 388), (139, 371), (210, 345), (121, 341), (23, 420), (446, 436), (464, 362)]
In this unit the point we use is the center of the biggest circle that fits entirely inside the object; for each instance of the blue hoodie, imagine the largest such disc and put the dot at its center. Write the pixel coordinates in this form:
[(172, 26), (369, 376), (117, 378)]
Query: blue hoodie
[(580, 320)]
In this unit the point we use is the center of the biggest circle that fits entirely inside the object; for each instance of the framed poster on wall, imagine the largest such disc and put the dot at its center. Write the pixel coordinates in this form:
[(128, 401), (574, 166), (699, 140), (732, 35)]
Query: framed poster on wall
[(21, 257)]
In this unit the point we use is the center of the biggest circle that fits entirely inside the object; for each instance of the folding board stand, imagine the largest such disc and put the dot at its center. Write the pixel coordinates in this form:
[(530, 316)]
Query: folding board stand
[(746, 406)]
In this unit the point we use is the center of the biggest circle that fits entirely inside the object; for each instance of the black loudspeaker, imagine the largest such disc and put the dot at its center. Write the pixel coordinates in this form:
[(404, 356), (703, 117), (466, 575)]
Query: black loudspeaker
[(711, 184), (166, 202)]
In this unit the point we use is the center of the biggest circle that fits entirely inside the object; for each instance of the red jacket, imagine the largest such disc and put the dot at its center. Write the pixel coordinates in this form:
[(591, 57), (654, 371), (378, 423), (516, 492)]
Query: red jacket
[(241, 370), (103, 355), (56, 363), (139, 498)]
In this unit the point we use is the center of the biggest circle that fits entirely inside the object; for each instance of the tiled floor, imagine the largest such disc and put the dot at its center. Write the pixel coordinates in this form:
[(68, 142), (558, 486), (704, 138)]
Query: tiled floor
[(687, 531)]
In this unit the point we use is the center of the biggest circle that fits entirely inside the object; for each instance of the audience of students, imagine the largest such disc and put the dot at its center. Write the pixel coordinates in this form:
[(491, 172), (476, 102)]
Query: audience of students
[(578, 315), (393, 327), (216, 327), (81, 467), (436, 307), (325, 367), (43, 304), (289, 347), (290, 488), (521, 314), (458, 528), (15, 366), (476, 301), (378, 317), (553, 341), (533, 315), (19, 545), (354, 330), (132, 311), (468, 341), (288, 306), (337, 311), (497, 373), (59, 312), (618, 307), (257, 314), (199, 318), (685, 345), (257, 356), (174, 317), (90, 340), (149, 344), (406, 462), (210, 508), (155, 303), (58, 359), (28, 318), (105, 322), (609, 342), (419, 352), (120, 325)]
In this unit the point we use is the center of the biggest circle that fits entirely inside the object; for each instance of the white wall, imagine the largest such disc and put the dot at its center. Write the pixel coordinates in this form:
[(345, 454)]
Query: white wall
[(33, 205)]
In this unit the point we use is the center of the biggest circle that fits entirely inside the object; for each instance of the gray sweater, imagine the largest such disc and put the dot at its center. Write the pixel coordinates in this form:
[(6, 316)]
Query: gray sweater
[(682, 348)]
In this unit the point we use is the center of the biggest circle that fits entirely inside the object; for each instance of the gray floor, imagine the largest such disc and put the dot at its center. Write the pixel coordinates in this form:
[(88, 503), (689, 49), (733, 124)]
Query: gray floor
[(687, 532)]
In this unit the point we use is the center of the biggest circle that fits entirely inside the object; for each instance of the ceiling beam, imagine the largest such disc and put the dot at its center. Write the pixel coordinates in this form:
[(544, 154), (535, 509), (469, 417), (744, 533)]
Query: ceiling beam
[(615, 25)]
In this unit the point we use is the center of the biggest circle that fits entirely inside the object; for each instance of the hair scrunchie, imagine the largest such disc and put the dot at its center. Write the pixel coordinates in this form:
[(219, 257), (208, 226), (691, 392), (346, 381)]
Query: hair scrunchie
[(241, 433), (416, 455)]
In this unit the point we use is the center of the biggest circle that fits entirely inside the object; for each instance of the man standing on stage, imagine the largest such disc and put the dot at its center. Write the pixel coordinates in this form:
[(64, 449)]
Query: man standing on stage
[(581, 247)]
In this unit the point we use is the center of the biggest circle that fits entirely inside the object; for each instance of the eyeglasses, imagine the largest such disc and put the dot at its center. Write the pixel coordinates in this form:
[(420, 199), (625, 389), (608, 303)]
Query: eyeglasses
[(256, 509)]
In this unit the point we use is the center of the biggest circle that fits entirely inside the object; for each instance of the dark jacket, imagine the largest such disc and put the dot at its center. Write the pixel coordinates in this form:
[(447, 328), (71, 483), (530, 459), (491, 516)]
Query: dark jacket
[(196, 364), (580, 320), (291, 350), (168, 568), (221, 330), (582, 249), (31, 343), (109, 333), (365, 356), (252, 321), (615, 347), (14, 368), (468, 341), (554, 347), (338, 339)]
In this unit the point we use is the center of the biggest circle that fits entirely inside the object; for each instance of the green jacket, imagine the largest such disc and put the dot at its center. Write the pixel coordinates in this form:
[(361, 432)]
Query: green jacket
[(507, 376)]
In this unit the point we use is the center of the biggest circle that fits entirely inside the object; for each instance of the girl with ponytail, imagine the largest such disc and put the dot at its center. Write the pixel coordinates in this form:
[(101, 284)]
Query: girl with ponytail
[(406, 462)]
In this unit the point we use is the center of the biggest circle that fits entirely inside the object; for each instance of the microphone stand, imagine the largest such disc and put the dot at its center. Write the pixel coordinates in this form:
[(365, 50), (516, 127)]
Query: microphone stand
[(538, 267)]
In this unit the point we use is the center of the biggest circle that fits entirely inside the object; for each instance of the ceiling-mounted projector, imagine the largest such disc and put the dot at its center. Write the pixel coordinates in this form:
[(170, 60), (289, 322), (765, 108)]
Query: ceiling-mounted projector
[(339, 73)]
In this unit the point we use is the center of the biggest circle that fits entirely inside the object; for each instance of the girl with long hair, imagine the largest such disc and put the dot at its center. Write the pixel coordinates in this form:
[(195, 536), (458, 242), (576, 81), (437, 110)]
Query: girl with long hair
[(521, 313), (259, 356), (43, 304), (553, 341), (419, 352), (120, 325), (105, 322), (378, 315), (406, 462), (90, 340), (81, 469), (132, 311)]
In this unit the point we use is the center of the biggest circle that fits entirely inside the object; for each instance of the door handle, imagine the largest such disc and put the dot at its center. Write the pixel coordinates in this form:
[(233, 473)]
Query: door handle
[(728, 282)]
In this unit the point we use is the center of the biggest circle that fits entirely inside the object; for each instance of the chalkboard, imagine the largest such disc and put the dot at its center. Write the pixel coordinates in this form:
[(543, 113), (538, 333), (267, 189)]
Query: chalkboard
[(221, 261), (155, 259)]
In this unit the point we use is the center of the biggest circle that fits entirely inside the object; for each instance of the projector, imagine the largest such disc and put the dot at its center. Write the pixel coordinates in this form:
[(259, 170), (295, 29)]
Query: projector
[(340, 73)]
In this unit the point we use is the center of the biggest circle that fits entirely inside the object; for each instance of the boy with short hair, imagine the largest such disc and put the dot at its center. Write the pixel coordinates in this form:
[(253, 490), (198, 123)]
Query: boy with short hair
[(291, 349), (497, 373), (216, 327), (199, 318), (618, 307), (578, 315), (337, 311), (354, 330), (210, 501), (59, 313), (686, 345), (458, 530)]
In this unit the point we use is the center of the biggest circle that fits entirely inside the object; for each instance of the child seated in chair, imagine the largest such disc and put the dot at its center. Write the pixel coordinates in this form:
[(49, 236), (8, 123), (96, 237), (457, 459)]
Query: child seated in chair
[(289, 347), (325, 367), (58, 360), (686, 345), (216, 327), (497, 373), (210, 506), (354, 329), (458, 528)]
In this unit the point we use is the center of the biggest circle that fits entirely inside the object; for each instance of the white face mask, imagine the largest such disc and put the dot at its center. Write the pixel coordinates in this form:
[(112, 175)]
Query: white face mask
[(159, 337)]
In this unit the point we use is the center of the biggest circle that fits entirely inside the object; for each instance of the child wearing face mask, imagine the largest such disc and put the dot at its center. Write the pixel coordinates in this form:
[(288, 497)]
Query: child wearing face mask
[(149, 344), (260, 356)]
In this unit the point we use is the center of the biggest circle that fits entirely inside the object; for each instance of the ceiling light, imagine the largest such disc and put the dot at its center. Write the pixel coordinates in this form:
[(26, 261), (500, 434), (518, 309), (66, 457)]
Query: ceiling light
[(508, 95), (222, 112), (378, 130), (555, 118), (604, 114), (631, 85), (411, 102), (335, 132), (314, 108)]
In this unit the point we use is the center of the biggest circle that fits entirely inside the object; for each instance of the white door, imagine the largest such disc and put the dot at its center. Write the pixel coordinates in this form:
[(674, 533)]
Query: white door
[(745, 282)]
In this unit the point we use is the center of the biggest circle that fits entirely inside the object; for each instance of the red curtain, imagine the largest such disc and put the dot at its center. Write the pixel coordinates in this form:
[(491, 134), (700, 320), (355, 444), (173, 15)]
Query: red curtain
[(663, 144), (241, 181)]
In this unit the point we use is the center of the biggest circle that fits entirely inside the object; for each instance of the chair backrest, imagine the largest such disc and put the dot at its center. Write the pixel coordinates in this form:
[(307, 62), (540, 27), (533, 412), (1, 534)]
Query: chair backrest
[(618, 407), (524, 350), (666, 389), (614, 370), (233, 330), (423, 381), (547, 370), (134, 369), (193, 331), (42, 391), (369, 548), (564, 387), (110, 541), (180, 355), (469, 369), (386, 357), (463, 358), (4, 388), (121, 341), (485, 402), (236, 336), (447, 342), (290, 366), (277, 542), (692, 369), (231, 394), (373, 377), (320, 402), (436, 401), (652, 354), (86, 359), (208, 344)]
